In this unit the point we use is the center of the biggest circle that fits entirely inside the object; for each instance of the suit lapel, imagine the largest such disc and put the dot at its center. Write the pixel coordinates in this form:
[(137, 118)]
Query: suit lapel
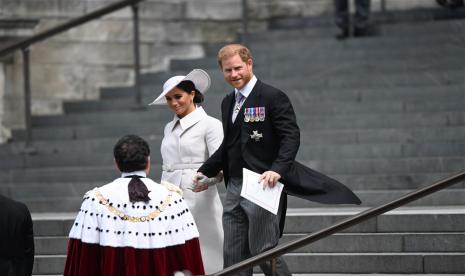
[(227, 114)]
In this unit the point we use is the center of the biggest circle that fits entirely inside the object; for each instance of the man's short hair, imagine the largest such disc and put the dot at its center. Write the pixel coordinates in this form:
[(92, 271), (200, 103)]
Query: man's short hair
[(131, 153), (231, 50)]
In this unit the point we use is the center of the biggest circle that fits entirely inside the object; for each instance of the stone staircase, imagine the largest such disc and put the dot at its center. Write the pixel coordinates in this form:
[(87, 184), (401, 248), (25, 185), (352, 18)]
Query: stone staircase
[(384, 115)]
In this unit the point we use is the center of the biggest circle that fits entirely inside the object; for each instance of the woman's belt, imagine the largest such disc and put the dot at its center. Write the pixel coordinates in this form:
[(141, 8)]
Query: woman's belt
[(175, 167)]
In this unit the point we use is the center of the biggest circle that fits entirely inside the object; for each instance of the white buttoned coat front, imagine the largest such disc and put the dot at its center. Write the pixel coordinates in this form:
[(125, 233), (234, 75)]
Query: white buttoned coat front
[(186, 144)]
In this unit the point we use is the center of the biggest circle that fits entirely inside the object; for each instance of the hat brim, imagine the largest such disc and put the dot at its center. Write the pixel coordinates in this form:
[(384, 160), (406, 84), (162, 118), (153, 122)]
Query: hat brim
[(199, 77)]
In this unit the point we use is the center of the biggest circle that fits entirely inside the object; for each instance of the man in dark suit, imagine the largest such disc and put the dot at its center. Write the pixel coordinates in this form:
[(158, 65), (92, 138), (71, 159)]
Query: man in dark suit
[(261, 134), (360, 22), (17, 245)]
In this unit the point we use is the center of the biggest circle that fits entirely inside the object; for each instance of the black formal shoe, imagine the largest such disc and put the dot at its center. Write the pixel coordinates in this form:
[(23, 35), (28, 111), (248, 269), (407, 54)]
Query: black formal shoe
[(361, 32), (451, 3), (342, 35), (442, 2)]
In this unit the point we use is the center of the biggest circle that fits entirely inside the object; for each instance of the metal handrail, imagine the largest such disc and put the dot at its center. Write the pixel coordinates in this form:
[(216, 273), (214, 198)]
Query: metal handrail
[(338, 227), (25, 44)]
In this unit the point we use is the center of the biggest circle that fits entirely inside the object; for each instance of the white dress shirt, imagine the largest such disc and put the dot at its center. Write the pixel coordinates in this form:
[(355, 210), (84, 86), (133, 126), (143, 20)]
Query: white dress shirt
[(245, 92)]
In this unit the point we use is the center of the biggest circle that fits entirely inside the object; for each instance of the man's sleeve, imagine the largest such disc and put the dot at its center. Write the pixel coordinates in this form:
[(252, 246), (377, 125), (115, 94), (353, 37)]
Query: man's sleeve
[(285, 125), (28, 243), (214, 164)]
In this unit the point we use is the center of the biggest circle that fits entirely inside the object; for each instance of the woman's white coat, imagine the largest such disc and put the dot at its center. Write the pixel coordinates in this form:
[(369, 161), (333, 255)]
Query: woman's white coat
[(187, 143)]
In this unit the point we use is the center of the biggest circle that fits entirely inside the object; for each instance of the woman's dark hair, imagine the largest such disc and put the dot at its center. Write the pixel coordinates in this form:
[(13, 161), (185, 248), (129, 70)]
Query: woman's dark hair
[(131, 153), (188, 86)]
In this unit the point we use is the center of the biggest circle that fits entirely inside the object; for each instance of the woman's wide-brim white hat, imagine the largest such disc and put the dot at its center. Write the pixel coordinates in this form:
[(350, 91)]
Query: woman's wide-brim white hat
[(199, 77)]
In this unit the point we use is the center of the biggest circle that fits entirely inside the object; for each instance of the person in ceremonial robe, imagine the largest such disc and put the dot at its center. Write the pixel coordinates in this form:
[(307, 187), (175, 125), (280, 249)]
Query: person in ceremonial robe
[(133, 226), (189, 139)]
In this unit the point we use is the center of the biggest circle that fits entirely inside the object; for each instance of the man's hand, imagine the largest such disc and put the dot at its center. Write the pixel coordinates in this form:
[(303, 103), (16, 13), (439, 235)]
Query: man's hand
[(198, 182), (269, 178)]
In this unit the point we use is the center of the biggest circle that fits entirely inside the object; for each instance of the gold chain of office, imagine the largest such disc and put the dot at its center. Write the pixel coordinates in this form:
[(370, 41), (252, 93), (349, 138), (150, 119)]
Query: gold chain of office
[(124, 216)]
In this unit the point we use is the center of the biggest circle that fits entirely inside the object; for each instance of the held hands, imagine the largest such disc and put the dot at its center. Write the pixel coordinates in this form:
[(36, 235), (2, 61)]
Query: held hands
[(201, 182), (198, 182), (269, 179)]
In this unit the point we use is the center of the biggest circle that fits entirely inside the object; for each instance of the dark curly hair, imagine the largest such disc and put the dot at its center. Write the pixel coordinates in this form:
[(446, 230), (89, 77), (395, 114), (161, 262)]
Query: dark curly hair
[(131, 153), (188, 86)]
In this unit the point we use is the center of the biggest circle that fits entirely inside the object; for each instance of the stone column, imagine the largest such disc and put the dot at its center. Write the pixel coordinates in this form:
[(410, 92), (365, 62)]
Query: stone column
[(5, 133)]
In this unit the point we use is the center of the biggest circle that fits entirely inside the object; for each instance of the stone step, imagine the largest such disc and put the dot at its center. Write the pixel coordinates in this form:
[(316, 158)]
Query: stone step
[(330, 263), (15, 185), (421, 20), (387, 39), (52, 224), (451, 196), (102, 145), (276, 41), (326, 69), (60, 175), (49, 264), (323, 106), (341, 243), (48, 191), (41, 198), (438, 19), (336, 164), (51, 245), (124, 117), (410, 134), (340, 58), (389, 33), (388, 166), (351, 120), (376, 263), (389, 36), (381, 180), (420, 79), (220, 89), (404, 219), (339, 76), (379, 242), (88, 131), (58, 152), (49, 202), (317, 150), (416, 219), (367, 150), (386, 135), (407, 94)]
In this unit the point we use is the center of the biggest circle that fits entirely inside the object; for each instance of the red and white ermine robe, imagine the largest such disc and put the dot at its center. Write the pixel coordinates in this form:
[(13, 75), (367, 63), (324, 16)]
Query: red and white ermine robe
[(112, 236)]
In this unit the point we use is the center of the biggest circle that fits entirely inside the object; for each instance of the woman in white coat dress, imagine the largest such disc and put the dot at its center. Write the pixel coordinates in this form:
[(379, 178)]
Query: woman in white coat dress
[(189, 139)]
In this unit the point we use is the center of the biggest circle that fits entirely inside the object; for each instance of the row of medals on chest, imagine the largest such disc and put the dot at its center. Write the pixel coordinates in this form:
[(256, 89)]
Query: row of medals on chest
[(254, 114)]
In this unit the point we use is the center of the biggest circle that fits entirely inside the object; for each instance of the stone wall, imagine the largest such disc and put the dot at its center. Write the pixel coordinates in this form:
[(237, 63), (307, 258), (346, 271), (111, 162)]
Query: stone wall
[(75, 64)]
